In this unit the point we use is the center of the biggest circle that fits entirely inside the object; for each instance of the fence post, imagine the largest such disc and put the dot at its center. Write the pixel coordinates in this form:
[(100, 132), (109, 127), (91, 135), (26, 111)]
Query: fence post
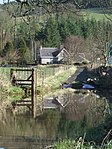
[(11, 73), (33, 91)]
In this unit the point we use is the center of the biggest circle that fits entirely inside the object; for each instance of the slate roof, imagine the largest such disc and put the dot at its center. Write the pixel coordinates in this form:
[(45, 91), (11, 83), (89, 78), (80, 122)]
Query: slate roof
[(49, 52)]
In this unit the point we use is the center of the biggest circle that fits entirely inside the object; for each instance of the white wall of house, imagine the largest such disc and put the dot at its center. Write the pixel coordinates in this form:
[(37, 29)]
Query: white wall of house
[(61, 55), (46, 61)]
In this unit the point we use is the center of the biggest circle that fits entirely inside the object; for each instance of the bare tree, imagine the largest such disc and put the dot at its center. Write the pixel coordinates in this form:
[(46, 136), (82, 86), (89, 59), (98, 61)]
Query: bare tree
[(24, 8), (77, 47)]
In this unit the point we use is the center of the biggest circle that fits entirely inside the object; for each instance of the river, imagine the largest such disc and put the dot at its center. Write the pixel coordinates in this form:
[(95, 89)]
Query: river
[(84, 111)]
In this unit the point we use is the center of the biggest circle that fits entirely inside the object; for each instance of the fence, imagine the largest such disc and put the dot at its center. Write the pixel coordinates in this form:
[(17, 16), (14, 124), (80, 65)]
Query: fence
[(42, 72)]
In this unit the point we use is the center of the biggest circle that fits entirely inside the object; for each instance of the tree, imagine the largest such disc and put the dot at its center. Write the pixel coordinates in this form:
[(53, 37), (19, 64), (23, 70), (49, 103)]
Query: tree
[(76, 46), (8, 48), (25, 8), (49, 35), (9, 54), (22, 48), (63, 28), (23, 30), (6, 26), (52, 33)]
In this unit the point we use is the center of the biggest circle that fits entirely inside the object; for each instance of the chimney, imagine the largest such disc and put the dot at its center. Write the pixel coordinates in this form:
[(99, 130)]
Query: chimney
[(61, 47), (41, 47)]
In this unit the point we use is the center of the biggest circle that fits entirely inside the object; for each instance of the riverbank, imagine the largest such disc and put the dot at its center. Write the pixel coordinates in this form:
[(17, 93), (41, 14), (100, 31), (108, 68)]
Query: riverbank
[(7, 90), (52, 84)]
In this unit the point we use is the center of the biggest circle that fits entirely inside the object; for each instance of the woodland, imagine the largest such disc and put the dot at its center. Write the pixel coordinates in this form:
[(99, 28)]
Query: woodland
[(27, 24)]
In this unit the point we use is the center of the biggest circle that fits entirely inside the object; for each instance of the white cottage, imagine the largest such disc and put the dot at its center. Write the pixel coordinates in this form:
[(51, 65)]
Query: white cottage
[(52, 55)]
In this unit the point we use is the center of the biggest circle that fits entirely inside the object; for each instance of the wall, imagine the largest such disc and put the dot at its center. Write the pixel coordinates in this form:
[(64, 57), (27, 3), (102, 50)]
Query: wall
[(46, 61)]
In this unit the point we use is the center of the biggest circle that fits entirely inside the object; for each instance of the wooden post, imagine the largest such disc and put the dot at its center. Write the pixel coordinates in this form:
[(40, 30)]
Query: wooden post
[(35, 96), (33, 93), (30, 81), (42, 91), (11, 73)]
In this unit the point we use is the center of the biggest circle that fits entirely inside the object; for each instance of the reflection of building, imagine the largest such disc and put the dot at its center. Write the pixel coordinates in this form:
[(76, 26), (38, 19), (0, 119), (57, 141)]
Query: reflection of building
[(52, 55)]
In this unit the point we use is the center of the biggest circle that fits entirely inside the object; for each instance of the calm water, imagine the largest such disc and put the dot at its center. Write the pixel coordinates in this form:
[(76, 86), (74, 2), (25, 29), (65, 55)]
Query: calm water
[(83, 111)]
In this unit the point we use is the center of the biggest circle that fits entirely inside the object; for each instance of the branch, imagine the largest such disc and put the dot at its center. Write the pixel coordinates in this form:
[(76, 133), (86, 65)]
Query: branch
[(109, 133), (79, 5)]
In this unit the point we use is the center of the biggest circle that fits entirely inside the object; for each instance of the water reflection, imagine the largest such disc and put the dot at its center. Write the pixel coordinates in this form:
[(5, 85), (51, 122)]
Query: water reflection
[(83, 111), (85, 105)]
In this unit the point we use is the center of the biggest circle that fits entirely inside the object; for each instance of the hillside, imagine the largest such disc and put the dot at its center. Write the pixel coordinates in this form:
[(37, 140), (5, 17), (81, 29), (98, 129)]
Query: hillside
[(96, 13)]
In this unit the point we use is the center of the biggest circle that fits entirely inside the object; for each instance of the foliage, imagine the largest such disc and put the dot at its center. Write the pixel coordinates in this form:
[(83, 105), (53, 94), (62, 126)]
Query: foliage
[(8, 48), (23, 30), (85, 28), (99, 132), (53, 31), (4, 85), (63, 29), (49, 35), (22, 48), (80, 144), (14, 90), (52, 83)]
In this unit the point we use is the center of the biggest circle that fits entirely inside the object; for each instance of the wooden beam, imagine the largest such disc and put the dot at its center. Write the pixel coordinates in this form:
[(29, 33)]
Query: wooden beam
[(23, 104), (30, 81), (20, 69), (32, 92), (29, 77), (23, 80), (19, 101), (24, 83)]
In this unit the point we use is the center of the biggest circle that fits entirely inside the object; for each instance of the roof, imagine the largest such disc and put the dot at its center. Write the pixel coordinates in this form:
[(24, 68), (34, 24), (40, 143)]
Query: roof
[(49, 52)]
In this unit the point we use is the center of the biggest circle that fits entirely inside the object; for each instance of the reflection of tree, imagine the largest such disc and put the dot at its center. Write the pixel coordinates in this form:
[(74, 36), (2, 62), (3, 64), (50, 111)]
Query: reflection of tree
[(51, 119), (99, 132), (83, 105), (82, 113)]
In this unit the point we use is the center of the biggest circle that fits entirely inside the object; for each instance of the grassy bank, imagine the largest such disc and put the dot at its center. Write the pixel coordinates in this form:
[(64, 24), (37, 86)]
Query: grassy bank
[(52, 83), (96, 13), (7, 90), (53, 77), (80, 144)]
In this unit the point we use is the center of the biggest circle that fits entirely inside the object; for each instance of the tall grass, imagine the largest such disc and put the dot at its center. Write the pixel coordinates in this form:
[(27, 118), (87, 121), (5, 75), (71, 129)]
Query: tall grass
[(80, 144)]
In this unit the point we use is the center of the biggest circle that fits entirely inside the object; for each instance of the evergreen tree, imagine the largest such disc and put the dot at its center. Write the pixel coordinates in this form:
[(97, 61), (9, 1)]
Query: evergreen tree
[(23, 30), (22, 48), (84, 28), (51, 32), (63, 29), (8, 48)]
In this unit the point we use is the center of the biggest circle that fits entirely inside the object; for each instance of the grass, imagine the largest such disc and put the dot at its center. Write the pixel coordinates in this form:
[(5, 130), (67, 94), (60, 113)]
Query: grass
[(53, 77), (52, 84), (6, 89), (96, 13), (80, 144)]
